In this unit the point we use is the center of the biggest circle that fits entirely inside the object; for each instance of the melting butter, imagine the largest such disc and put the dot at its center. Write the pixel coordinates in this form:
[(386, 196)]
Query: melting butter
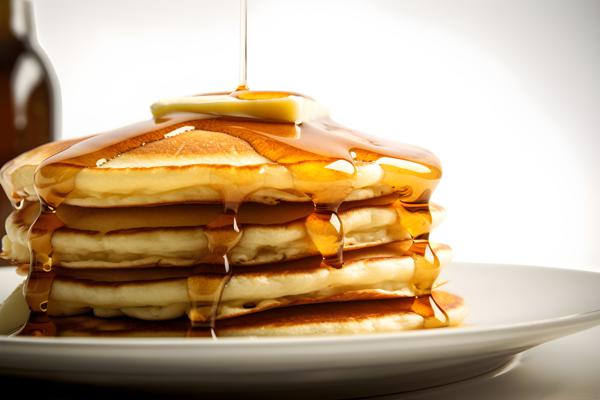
[(271, 106)]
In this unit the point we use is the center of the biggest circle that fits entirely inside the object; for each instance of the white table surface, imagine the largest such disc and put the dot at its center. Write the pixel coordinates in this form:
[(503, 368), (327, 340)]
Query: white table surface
[(565, 369)]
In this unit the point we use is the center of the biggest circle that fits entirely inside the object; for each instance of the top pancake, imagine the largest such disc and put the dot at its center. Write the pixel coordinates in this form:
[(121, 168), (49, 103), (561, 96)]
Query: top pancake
[(195, 158)]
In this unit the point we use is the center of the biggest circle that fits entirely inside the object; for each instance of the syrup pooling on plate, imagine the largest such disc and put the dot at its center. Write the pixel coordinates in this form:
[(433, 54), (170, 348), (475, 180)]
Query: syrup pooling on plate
[(320, 156), (39, 324)]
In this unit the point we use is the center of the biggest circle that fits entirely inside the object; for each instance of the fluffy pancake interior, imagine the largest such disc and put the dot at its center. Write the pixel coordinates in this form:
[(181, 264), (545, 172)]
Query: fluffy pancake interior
[(358, 317), (186, 215), (146, 235), (369, 274)]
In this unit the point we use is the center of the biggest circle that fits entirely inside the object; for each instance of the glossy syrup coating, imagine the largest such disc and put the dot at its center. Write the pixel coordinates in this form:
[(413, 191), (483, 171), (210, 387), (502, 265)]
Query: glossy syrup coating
[(320, 155)]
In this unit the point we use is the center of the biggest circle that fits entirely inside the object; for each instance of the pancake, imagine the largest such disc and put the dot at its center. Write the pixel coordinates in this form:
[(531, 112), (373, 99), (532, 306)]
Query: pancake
[(367, 274), (351, 318), (16, 176), (170, 235), (186, 158), (290, 225)]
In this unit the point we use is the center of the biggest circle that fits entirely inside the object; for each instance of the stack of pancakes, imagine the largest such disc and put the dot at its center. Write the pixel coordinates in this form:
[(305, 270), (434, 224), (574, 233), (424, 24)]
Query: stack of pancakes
[(247, 226)]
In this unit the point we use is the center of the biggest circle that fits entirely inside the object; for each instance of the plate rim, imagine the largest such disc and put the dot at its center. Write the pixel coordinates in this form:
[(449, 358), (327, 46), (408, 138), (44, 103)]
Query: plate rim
[(569, 319)]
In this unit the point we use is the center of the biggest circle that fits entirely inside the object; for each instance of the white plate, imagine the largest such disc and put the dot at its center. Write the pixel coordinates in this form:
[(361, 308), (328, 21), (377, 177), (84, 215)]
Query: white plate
[(512, 308)]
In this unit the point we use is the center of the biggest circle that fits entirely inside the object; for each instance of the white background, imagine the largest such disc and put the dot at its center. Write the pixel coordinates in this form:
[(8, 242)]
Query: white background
[(506, 93)]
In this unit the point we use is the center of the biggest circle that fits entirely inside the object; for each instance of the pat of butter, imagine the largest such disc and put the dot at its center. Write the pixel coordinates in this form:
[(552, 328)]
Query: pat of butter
[(291, 108)]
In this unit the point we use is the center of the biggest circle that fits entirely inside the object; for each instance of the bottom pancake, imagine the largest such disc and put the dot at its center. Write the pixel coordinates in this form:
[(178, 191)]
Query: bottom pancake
[(348, 318)]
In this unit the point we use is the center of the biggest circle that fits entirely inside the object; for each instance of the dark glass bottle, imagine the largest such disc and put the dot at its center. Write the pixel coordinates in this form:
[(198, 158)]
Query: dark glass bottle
[(29, 98)]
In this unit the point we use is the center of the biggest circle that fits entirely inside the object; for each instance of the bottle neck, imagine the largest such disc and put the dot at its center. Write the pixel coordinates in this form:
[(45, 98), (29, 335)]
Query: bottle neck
[(17, 20), (22, 19)]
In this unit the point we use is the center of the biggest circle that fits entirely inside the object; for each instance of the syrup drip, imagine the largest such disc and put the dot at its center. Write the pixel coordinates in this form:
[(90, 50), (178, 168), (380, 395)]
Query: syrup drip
[(434, 314), (39, 324), (417, 219), (324, 227), (41, 271), (40, 242), (220, 241)]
